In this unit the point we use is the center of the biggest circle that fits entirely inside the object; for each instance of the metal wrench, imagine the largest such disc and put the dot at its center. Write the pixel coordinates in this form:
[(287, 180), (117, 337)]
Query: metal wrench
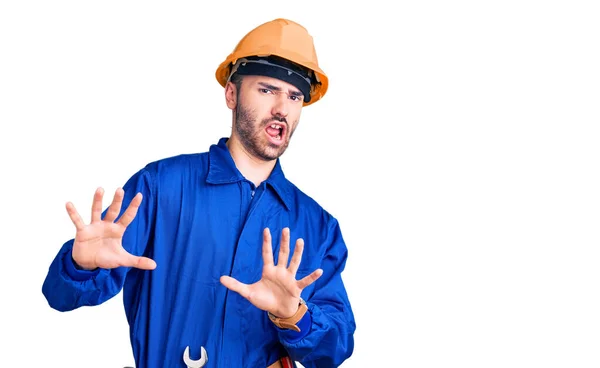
[(195, 363)]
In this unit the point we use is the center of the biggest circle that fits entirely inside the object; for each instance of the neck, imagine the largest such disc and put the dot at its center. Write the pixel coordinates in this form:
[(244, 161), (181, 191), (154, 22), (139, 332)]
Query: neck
[(251, 167)]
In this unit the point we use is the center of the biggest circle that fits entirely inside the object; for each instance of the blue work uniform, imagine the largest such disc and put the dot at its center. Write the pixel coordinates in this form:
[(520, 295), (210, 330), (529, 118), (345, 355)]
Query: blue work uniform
[(200, 219)]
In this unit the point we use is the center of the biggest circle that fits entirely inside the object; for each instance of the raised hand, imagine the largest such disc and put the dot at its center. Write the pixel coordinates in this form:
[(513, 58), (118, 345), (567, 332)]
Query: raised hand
[(277, 291), (98, 245)]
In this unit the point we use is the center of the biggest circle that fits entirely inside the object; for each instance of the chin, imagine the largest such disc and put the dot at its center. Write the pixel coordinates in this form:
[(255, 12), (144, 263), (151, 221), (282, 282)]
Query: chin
[(271, 153)]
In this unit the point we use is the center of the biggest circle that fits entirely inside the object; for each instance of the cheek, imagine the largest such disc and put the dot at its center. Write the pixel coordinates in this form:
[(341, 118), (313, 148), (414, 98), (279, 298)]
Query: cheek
[(293, 120), (292, 129)]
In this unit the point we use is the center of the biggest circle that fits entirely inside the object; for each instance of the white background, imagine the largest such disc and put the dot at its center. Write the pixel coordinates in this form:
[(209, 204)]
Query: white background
[(458, 145)]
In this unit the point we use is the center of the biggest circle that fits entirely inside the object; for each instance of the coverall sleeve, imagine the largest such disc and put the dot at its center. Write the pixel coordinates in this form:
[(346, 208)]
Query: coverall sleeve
[(327, 329), (66, 287)]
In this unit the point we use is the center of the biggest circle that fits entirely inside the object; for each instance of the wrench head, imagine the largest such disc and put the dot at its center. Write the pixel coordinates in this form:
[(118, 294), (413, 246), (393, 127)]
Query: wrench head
[(195, 363)]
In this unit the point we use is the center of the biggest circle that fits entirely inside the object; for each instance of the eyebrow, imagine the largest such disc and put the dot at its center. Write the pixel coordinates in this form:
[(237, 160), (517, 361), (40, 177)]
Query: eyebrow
[(275, 88)]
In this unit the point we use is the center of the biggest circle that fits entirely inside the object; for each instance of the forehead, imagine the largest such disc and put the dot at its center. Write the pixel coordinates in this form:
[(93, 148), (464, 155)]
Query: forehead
[(252, 80)]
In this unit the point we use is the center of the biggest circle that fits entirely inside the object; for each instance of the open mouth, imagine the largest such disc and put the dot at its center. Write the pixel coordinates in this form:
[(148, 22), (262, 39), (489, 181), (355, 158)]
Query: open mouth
[(276, 132)]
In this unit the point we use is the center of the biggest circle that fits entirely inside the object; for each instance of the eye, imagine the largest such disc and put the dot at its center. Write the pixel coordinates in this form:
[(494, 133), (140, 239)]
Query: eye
[(265, 90), (296, 98)]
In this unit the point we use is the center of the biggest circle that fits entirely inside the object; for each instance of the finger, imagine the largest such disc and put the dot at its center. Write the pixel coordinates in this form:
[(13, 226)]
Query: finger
[(284, 248), (234, 285), (297, 256), (75, 217), (131, 210), (115, 206), (143, 263), (127, 259), (97, 205), (267, 250), (309, 279)]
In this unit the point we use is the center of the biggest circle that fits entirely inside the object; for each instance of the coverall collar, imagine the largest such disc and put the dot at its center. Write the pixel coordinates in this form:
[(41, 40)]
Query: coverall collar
[(222, 170)]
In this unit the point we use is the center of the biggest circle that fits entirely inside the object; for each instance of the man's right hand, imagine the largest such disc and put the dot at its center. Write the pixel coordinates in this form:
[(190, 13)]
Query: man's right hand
[(99, 244)]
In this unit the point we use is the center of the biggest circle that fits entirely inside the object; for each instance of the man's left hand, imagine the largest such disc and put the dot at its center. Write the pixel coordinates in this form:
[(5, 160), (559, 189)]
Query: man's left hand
[(278, 291)]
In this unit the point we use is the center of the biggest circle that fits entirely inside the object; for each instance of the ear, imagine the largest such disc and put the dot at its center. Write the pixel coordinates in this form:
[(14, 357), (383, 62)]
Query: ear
[(231, 95)]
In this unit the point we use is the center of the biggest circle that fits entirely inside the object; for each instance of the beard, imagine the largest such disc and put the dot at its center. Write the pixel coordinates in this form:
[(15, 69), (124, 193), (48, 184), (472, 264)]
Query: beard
[(252, 135)]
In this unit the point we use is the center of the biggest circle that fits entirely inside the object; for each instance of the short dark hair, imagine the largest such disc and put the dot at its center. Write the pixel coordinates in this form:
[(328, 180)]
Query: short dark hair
[(236, 79)]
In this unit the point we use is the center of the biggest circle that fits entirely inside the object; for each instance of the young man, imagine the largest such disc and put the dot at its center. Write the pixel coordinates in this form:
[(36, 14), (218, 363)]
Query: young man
[(222, 261)]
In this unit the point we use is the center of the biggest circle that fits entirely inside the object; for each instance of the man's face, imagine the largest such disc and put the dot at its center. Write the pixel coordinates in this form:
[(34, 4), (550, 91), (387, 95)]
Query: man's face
[(266, 115)]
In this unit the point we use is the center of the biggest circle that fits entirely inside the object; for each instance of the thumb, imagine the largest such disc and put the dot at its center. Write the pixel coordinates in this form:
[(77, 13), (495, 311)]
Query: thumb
[(143, 263), (234, 285)]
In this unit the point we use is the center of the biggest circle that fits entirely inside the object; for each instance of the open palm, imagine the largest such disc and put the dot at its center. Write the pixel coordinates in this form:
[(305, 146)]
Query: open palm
[(99, 244), (278, 291)]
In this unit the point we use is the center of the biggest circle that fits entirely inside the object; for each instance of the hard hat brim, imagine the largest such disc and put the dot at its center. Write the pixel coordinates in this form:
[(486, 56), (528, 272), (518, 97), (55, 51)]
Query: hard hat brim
[(318, 90)]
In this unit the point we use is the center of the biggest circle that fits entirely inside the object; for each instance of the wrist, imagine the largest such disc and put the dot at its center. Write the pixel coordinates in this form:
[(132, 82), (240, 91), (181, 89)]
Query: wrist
[(288, 313), (76, 273), (292, 321), (79, 267)]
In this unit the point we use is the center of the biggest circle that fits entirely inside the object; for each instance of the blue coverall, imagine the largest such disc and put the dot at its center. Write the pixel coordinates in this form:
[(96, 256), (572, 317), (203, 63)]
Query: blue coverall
[(200, 219)]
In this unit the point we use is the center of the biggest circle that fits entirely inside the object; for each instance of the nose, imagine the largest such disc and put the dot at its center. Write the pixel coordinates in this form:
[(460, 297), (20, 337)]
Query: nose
[(281, 106)]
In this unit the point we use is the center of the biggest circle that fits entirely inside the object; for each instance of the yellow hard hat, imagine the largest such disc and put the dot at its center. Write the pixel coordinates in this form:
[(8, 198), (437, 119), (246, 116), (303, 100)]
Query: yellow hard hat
[(281, 38)]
